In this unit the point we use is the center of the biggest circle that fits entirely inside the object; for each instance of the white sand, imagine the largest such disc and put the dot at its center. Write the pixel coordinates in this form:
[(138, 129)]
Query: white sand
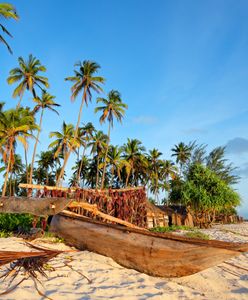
[(111, 281)]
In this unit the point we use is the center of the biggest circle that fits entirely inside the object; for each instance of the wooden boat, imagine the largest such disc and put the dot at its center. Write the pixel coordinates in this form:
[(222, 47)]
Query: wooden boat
[(156, 254)]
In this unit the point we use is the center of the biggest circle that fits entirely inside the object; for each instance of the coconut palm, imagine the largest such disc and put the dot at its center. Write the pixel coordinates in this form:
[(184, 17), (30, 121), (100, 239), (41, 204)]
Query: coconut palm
[(85, 81), (167, 170), (27, 75), (182, 152), (85, 134), (111, 108), (13, 127), (65, 143), (98, 144), (43, 103), (7, 11), (154, 163), (133, 155)]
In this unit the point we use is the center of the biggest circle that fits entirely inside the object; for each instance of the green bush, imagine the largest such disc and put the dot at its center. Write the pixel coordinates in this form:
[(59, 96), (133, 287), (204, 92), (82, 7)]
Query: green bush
[(170, 228), (197, 235), (15, 222)]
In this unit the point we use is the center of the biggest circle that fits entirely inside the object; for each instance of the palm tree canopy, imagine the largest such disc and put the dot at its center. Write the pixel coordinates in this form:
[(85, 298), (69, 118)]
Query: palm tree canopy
[(98, 142), (28, 75), (45, 102), (7, 11), (65, 140), (182, 152), (85, 80), (112, 107)]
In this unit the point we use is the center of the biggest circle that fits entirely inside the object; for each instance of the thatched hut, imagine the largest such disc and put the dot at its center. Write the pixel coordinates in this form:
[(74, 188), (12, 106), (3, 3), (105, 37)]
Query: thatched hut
[(156, 216), (177, 215)]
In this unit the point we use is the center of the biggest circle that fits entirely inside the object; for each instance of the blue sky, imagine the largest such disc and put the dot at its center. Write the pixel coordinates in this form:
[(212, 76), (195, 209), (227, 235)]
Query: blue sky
[(181, 66)]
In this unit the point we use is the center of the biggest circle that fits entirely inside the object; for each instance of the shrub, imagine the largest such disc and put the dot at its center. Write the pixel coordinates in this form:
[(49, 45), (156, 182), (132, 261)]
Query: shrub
[(15, 222)]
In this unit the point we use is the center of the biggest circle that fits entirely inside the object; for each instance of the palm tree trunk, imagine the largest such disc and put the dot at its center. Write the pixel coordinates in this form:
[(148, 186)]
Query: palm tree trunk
[(26, 162), (81, 165), (97, 171), (80, 113), (67, 155), (105, 159), (35, 147), (19, 102), (7, 171)]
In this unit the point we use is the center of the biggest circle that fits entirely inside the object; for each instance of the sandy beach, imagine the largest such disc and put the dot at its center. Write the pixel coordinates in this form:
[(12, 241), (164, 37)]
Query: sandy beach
[(111, 281)]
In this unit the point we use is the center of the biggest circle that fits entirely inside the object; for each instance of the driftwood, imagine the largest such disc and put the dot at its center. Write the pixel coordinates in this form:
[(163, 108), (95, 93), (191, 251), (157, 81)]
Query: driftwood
[(165, 255), (34, 206)]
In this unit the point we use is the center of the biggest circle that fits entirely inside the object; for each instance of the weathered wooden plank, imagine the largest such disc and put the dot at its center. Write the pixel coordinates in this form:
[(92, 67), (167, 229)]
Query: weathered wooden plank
[(34, 206)]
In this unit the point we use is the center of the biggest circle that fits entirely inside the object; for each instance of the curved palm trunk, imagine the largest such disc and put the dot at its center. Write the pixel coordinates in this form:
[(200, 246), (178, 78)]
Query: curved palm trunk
[(26, 162), (19, 102), (80, 167), (7, 171), (75, 136), (105, 159), (35, 147), (67, 155)]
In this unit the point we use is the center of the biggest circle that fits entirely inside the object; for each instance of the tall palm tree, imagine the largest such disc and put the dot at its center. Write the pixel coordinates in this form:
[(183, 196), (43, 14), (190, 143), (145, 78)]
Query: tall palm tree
[(46, 162), (85, 135), (13, 127), (167, 170), (111, 108), (85, 81), (65, 143), (28, 76), (7, 11), (154, 167), (182, 152), (98, 144), (133, 155), (45, 102), (116, 162)]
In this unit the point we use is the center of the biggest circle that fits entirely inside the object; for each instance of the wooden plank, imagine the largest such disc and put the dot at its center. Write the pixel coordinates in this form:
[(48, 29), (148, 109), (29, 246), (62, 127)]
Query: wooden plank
[(51, 188), (93, 208), (34, 206)]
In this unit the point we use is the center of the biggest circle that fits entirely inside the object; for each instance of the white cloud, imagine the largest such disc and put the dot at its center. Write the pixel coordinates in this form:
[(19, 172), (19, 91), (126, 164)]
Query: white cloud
[(145, 120)]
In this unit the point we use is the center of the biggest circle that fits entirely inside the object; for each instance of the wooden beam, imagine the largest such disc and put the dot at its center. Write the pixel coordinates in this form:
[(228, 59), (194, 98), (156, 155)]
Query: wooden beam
[(93, 208), (51, 188)]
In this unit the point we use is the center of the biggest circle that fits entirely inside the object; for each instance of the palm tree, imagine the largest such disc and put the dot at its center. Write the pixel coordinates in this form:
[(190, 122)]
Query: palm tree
[(167, 170), (27, 75), (7, 11), (182, 152), (13, 127), (65, 143), (85, 81), (45, 162), (133, 155), (116, 163), (45, 102), (98, 144), (111, 107), (85, 135), (154, 167)]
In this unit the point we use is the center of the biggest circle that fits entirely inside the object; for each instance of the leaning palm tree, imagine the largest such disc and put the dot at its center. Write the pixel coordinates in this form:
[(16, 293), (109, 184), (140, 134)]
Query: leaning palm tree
[(111, 108), (7, 11), (13, 128), (27, 75), (45, 102), (65, 143), (85, 81), (182, 152)]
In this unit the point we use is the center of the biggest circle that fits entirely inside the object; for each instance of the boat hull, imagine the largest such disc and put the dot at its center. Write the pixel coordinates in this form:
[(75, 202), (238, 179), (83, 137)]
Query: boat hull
[(146, 252)]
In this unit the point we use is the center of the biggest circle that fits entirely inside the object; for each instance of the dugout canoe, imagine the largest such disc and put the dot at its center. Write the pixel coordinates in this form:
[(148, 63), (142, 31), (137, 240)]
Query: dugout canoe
[(155, 254)]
